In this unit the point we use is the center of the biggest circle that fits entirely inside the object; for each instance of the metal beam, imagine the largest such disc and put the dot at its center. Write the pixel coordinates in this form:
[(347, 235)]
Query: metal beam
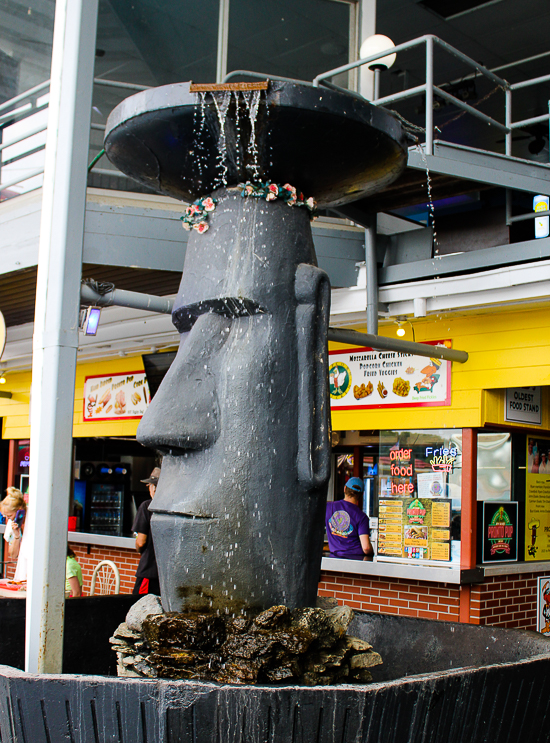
[(56, 328), (354, 338), (6, 395), (137, 301), (124, 298), (476, 260), (482, 166)]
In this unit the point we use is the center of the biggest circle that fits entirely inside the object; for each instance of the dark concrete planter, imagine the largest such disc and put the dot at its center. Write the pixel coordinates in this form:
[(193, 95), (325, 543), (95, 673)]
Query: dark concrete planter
[(503, 697)]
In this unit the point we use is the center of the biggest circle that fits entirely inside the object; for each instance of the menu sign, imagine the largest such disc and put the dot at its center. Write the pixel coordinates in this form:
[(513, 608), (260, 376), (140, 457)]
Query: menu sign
[(115, 397), (415, 528), (537, 499), (364, 378), (500, 531)]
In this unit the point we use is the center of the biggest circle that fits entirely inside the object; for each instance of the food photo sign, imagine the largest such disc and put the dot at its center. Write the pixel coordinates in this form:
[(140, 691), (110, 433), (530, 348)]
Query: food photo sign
[(365, 378), (116, 397)]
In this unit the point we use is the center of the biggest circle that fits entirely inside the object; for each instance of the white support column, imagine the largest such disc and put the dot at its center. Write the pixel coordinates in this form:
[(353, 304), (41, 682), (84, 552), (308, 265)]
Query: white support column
[(367, 28), (56, 328)]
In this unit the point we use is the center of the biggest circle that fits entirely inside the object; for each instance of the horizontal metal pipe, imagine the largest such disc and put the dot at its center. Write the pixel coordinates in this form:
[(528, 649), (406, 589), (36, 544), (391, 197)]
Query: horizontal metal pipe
[(23, 96), (124, 298), (527, 122), (354, 338), (410, 93), (531, 215), (22, 137), (470, 109), (479, 67), (138, 301), (22, 178), (371, 58), (117, 84), (529, 83)]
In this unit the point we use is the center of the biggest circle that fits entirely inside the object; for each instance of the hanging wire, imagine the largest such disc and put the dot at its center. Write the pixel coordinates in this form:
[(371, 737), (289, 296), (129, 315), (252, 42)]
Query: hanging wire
[(95, 160)]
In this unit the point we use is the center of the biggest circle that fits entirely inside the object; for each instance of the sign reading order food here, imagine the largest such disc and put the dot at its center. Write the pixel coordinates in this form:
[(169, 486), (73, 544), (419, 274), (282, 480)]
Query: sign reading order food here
[(116, 396), (365, 378)]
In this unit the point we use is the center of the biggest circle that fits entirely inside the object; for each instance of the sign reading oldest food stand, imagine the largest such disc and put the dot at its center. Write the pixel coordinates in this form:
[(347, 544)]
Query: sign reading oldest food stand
[(537, 499), (365, 378), (115, 397), (523, 405)]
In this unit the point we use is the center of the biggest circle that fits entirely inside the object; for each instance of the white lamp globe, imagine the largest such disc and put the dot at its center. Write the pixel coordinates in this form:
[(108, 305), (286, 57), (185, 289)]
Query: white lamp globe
[(373, 45)]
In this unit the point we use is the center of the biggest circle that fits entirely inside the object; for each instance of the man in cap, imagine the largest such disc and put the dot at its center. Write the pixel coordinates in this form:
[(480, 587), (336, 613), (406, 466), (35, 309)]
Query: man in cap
[(147, 577), (347, 525)]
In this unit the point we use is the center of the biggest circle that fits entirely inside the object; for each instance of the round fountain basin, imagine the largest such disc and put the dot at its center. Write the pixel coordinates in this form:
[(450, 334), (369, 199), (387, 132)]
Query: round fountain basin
[(333, 146), (467, 685)]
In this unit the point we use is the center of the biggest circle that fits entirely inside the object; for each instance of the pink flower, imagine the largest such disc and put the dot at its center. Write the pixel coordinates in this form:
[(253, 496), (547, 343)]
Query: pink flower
[(274, 189), (208, 204), (249, 189), (200, 227), (186, 226), (290, 188), (271, 196), (311, 203), (193, 209)]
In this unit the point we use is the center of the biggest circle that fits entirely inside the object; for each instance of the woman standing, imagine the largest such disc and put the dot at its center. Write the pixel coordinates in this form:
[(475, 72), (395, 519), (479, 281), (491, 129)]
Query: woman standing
[(14, 510)]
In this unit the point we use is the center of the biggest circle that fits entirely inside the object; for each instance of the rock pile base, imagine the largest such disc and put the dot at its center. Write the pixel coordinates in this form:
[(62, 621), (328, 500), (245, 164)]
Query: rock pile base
[(305, 646)]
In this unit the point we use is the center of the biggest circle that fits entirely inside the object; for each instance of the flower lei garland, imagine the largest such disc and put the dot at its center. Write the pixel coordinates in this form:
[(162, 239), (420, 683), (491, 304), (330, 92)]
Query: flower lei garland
[(196, 215), (272, 191)]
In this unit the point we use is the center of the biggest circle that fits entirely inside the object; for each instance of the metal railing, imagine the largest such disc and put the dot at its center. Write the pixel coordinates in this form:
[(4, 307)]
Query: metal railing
[(429, 89), (24, 106)]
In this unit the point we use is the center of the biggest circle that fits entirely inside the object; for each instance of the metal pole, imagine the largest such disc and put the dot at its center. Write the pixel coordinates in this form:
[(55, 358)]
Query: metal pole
[(429, 95), (124, 298), (354, 338), (508, 120), (223, 41), (56, 328), (371, 267)]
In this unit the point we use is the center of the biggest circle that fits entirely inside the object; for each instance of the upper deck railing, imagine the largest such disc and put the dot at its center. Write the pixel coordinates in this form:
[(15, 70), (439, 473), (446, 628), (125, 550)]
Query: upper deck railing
[(24, 118)]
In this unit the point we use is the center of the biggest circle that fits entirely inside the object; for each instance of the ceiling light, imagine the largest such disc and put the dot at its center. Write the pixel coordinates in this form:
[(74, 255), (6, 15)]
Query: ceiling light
[(2, 379), (400, 330)]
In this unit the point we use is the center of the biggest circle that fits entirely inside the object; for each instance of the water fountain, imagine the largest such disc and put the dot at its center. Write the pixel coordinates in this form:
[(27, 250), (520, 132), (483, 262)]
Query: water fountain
[(242, 418)]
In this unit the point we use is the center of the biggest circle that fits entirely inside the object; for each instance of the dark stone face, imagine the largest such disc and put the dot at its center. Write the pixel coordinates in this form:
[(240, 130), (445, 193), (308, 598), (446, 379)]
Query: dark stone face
[(242, 416)]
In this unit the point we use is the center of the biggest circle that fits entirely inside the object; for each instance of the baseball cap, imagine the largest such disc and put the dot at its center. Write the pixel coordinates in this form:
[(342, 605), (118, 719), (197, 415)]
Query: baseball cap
[(355, 484), (153, 477)]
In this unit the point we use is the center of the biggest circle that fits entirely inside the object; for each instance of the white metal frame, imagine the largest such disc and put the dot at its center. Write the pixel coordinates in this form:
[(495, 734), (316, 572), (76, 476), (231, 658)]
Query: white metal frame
[(105, 573)]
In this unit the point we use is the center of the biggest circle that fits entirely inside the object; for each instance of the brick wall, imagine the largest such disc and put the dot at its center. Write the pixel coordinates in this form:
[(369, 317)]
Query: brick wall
[(411, 598), (125, 560), (507, 601)]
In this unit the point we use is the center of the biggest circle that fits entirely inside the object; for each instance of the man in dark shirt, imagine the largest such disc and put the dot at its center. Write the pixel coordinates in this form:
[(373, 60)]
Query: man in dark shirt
[(347, 525), (147, 577)]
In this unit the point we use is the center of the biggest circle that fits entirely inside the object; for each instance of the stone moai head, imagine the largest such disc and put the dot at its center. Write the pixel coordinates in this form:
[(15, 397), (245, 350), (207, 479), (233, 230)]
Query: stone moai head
[(242, 416)]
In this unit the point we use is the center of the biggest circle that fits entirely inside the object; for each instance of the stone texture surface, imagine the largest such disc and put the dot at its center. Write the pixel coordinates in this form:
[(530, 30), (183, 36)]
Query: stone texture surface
[(306, 646), (143, 608)]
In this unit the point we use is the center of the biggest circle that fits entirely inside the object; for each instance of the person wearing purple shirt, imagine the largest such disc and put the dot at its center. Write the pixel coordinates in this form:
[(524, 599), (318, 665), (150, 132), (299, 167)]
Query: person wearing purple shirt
[(347, 525)]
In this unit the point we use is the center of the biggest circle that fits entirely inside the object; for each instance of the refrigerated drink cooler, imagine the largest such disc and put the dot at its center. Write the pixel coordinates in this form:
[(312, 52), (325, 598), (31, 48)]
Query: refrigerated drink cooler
[(108, 507)]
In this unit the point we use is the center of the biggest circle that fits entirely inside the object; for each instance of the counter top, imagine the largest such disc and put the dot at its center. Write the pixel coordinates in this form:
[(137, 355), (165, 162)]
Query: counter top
[(102, 540)]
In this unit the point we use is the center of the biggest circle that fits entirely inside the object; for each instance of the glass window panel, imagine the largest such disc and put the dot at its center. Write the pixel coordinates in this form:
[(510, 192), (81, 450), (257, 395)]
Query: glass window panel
[(288, 38), (26, 35), (494, 466)]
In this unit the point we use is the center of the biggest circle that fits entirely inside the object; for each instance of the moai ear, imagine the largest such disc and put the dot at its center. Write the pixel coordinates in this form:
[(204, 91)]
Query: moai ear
[(312, 289)]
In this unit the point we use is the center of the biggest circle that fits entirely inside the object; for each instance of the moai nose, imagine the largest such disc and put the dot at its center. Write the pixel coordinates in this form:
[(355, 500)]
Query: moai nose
[(184, 414)]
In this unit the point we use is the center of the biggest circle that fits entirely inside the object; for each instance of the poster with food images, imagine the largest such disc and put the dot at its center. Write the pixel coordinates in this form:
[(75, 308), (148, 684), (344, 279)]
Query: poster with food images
[(415, 529), (366, 378), (116, 397)]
